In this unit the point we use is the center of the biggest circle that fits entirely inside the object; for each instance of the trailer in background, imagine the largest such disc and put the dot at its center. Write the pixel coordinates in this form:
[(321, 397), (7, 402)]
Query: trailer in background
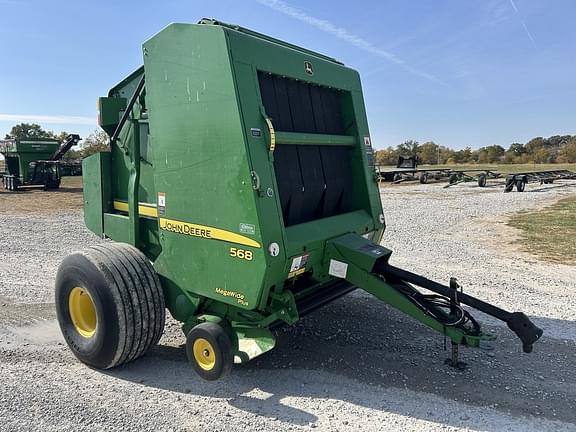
[(454, 176), (520, 180)]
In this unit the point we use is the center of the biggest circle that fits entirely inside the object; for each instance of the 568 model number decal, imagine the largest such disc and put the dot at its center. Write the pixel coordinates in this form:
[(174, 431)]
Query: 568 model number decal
[(241, 253)]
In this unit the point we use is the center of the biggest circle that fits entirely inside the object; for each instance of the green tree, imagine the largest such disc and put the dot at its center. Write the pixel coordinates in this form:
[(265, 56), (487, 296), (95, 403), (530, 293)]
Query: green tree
[(408, 148), (567, 153), (490, 154), (541, 155), (463, 156), (429, 153), (446, 154), (516, 149), (97, 141), (534, 145), (28, 130), (387, 156)]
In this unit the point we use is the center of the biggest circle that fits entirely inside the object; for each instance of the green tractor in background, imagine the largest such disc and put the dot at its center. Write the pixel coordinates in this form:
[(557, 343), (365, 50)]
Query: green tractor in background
[(34, 162)]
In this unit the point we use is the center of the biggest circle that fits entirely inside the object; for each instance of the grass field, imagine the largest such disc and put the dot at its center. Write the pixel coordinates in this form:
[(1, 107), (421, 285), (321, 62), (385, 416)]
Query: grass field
[(550, 232)]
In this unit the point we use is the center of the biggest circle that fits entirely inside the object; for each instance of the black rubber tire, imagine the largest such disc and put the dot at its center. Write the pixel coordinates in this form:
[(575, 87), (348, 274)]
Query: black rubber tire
[(128, 299), (520, 185), (221, 345), (482, 180), (423, 178), (453, 178)]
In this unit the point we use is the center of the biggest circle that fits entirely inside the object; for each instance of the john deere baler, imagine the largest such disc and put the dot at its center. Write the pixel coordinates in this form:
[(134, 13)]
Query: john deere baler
[(240, 193)]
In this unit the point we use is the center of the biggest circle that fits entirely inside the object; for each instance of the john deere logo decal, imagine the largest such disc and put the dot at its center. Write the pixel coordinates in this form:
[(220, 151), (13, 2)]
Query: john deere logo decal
[(308, 68)]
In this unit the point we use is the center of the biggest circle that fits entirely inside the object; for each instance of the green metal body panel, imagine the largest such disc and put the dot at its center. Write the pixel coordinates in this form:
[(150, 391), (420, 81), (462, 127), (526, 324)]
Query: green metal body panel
[(192, 181), (20, 153), (97, 202)]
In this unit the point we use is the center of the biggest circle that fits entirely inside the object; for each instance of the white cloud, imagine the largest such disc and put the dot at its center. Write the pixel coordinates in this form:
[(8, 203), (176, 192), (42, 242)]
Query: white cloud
[(342, 33), (532, 40), (51, 119), (514, 6)]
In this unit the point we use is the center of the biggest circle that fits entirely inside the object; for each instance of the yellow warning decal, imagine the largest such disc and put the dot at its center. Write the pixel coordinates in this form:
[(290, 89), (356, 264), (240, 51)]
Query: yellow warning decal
[(296, 272), (272, 134), (143, 209), (207, 232)]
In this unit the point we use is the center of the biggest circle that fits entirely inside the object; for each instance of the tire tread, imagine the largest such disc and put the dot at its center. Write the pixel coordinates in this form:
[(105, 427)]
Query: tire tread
[(141, 313)]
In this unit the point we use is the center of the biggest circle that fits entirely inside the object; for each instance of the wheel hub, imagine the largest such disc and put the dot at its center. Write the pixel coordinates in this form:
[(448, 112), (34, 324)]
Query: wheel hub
[(82, 312), (204, 354)]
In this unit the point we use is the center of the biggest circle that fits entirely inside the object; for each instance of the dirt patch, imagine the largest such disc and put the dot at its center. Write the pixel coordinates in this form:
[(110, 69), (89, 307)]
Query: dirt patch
[(68, 197)]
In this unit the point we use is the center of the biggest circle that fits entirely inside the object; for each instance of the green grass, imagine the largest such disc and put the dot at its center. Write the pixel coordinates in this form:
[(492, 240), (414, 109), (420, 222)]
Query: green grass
[(550, 232)]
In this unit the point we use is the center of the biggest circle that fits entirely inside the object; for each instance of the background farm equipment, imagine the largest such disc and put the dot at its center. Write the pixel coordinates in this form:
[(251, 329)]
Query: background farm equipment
[(240, 194), (478, 176), (70, 168), (454, 176), (520, 180), (34, 162)]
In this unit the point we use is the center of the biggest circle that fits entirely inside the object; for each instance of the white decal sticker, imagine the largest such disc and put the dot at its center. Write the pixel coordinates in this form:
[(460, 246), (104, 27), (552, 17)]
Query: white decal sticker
[(338, 269), (247, 228), (295, 264), (161, 203)]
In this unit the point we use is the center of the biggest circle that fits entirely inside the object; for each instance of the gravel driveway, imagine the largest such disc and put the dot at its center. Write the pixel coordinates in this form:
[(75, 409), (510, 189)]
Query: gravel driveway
[(354, 365)]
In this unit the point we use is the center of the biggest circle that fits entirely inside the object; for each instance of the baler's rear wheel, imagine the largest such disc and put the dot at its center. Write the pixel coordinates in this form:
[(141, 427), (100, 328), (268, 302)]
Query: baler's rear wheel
[(209, 350), (110, 304)]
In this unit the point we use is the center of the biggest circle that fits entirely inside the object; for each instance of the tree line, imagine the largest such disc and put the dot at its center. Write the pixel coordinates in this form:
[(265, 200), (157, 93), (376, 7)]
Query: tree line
[(95, 142), (555, 149)]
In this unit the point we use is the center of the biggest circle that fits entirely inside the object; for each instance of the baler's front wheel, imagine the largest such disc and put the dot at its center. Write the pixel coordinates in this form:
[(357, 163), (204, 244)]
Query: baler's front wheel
[(209, 350), (109, 304)]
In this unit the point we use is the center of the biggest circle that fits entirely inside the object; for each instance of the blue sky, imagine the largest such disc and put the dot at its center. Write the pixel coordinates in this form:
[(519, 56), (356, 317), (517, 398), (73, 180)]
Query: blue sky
[(458, 72)]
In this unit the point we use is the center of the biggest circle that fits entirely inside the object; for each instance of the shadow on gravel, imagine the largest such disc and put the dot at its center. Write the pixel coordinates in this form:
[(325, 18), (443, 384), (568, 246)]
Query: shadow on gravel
[(359, 338), (32, 190), (68, 190)]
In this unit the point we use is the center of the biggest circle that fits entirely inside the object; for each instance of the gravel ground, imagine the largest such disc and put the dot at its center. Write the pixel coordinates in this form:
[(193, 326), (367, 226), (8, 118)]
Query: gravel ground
[(354, 365)]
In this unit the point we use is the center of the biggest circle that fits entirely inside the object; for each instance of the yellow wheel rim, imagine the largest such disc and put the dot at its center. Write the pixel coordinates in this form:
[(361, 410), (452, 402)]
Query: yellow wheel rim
[(82, 312), (204, 354)]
